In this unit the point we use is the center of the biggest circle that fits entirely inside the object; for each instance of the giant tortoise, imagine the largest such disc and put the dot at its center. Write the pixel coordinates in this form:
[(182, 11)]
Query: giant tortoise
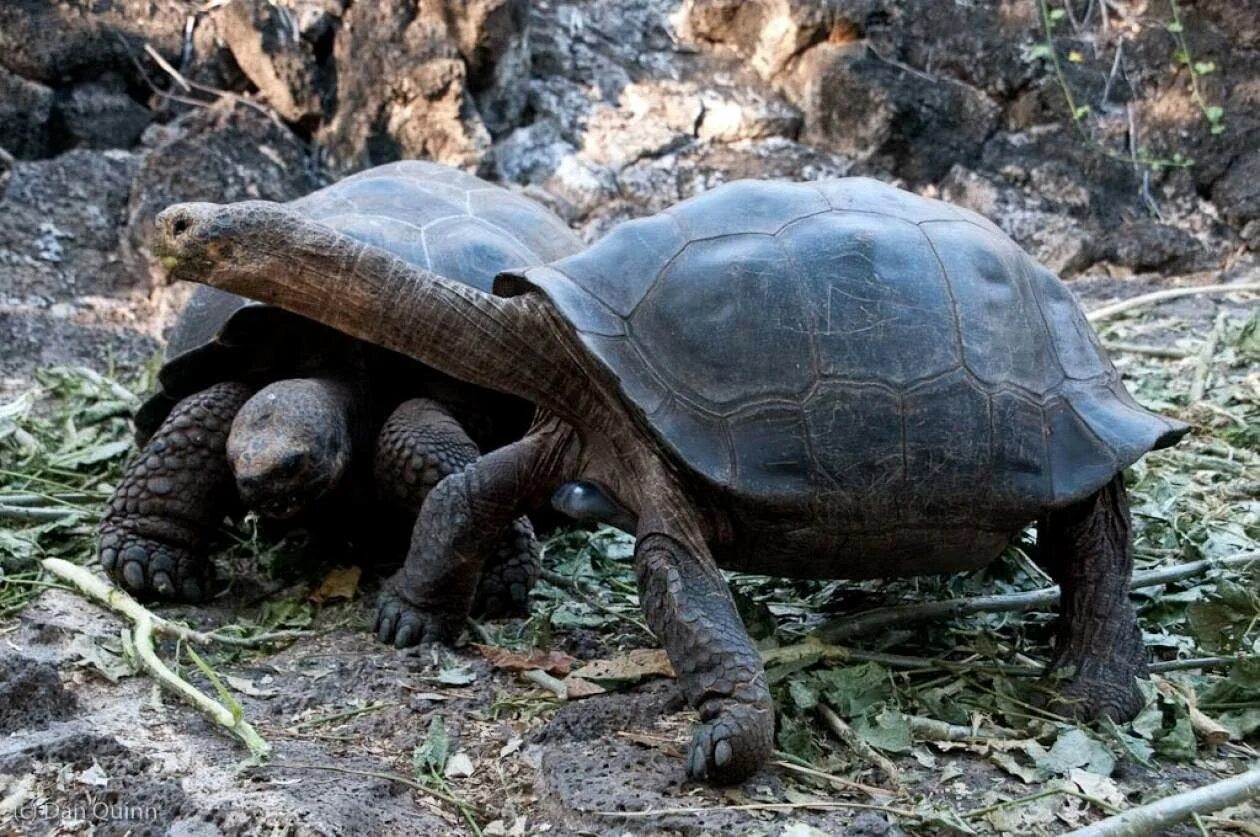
[(836, 379), (263, 409)]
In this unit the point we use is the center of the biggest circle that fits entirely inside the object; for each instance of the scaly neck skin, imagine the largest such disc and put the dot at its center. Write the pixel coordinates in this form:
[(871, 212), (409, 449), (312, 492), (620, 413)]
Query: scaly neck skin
[(515, 345)]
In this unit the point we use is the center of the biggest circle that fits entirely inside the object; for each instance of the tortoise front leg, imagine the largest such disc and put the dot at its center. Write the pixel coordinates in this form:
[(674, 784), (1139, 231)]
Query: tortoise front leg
[(689, 608), (156, 531), (1086, 548), (462, 522), (420, 445)]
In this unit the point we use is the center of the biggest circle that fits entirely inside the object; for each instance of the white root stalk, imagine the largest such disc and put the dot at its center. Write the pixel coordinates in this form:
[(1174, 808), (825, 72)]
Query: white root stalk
[(146, 623), (1109, 311), (1154, 816)]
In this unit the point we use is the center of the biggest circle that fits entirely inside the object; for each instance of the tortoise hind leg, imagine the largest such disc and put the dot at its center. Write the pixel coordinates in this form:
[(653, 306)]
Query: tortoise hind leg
[(156, 531), (1086, 548), (420, 445)]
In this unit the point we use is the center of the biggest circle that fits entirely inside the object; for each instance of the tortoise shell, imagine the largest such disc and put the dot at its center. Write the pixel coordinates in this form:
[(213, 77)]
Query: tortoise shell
[(852, 342), (430, 215)]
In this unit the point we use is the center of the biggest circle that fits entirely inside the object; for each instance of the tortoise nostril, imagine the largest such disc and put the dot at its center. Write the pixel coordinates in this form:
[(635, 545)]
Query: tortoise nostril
[(180, 226)]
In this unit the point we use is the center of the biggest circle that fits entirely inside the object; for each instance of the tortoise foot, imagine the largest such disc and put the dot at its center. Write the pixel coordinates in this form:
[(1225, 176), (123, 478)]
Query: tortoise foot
[(402, 624), (150, 569), (1092, 693), (732, 740)]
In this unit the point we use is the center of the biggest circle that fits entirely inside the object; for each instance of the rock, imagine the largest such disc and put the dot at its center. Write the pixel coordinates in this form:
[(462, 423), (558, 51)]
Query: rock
[(25, 109), (651, 118), (1147, 245), (275, 46), (733, 113), (1237, 193), (409, 77), (860, 105), (98, 114), (223, 153), (31, 695), (771, 33), (844, 112)]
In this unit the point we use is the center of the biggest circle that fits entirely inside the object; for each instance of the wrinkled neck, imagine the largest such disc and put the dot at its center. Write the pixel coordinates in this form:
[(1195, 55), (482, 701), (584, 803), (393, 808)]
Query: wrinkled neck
[(514, 345)]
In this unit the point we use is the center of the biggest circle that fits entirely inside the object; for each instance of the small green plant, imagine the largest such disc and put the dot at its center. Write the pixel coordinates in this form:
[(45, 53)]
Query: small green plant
[(1214, 114), (1045, 50)]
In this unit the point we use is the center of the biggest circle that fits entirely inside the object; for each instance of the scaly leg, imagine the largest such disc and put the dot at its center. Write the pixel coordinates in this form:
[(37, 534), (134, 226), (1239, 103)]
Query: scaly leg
[(1086, 549), (689, 608), (469, 532), (156, 532)]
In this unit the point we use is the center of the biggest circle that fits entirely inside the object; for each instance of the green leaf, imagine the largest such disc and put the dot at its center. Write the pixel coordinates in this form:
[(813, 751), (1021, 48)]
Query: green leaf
[(1057, 14), (1081, 112), (1137, 749), (1203, 68), (853, 690), (889, 732), (1178, 742), (1176, 28), (1241, 722), (797, 738), (1038, 51), (430, 755), (1075, 748), (1214, 113), (803, 697)]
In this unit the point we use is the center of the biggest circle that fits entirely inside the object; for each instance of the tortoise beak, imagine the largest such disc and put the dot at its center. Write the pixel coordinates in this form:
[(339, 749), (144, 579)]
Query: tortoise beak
[(181, 236)]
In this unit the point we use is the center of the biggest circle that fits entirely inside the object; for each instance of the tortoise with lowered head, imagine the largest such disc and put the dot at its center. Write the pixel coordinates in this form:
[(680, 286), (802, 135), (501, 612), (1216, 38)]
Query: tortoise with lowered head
[(824, 380), (263, 409)]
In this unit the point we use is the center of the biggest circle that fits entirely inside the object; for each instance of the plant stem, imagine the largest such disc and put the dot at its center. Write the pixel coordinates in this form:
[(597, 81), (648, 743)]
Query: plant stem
[(872, 620), (1154, 816)]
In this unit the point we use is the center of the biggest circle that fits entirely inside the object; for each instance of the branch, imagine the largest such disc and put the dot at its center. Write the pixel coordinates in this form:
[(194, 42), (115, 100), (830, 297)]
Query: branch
[(1154, 816), (145, 625), (883, 617), (1109, 311), (846, 734)]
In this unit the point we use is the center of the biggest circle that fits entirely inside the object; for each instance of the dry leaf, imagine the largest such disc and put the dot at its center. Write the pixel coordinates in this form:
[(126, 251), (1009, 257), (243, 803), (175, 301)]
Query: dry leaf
[(557, 663), (340, 583), (575, 687), (628, 668)]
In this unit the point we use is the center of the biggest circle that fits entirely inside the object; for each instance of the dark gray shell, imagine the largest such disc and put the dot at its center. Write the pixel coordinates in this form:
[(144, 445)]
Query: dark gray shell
[(849, 339), (437, 217)]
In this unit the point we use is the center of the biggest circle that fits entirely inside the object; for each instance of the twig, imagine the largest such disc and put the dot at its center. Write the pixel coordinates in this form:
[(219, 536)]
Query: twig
[(389, 777), (930, 729), (142, 639), (29, 514), (541, 678), (1192, 663), (1153, 816), (872, 620), (787, 761), (821, 805), (1109, 311), (810, 651), (1141, 349), (1203, 360), (846, 734), (341, 716), (1033, 797)]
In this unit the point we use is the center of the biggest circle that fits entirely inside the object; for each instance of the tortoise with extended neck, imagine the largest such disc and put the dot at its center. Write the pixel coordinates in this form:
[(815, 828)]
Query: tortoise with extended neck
[(273, 412), (827, 380)]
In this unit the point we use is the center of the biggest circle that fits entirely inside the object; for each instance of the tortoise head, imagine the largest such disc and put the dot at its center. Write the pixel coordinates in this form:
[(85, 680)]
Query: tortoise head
[(214, 244), (290, 445)]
